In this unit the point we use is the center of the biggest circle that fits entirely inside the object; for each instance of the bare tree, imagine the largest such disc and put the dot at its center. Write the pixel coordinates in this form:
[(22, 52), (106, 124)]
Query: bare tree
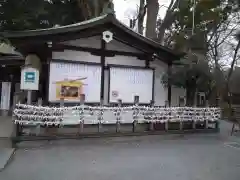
[(233, 63), (152, 14), (168, 20), (141, 15), (223, 52)]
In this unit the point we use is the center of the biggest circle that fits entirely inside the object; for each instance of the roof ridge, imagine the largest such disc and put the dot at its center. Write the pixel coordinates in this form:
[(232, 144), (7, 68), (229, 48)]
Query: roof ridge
[(62, 27)]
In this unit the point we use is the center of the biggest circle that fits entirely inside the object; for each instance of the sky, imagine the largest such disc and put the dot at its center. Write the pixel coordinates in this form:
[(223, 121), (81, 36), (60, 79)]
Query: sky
[(126, 8)]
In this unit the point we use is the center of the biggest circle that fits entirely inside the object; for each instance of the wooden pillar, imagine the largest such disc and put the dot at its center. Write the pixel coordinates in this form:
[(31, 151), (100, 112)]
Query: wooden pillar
[(147, 63), (169, 84), (147, 66), (12, 93), (46, 74), (103, 47), (45, 84)]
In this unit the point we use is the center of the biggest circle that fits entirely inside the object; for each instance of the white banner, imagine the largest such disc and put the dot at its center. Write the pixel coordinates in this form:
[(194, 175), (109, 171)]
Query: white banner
[(125, 83), (5, 95), (69, 80)]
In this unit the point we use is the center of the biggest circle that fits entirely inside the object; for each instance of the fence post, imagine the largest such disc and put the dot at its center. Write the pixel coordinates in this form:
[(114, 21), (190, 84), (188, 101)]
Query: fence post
[(151, 114), (218, 105), (135, 113), (118, 124), (100, 116), (81, 113), (166, 104), (52, 129), (38, 127), (194, 121), (206, 119), (217, 121), (61, 101), (166, 123), (40, 101), (18, 129), (179, 113)]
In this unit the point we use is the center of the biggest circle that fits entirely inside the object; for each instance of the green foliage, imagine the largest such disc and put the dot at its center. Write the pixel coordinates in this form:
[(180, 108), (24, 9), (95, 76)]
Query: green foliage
[(207, 15), (34, 14), (190, 35), (191, 74)]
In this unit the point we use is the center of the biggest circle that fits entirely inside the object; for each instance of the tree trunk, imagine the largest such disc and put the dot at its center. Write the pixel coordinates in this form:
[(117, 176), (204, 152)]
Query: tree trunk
[(85, 8), (96, 5), (107, 7), (168, 20), (228, 89), (95, 8), (190, 99), (152, 13), (141, 15)]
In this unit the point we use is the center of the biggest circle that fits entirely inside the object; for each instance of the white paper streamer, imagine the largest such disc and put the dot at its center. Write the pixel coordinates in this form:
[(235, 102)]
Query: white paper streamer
[(40, 115)]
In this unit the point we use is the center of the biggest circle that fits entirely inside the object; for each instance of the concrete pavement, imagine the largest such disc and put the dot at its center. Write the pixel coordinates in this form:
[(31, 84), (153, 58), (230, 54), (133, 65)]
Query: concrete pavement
[(180, 157), (5, 156), (6, 150)]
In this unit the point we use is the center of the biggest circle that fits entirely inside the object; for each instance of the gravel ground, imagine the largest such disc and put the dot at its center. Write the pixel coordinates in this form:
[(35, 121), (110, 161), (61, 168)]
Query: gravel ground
[(172, 157)]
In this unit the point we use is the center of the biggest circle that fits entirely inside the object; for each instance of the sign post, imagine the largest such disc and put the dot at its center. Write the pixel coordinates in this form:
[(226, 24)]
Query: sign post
[(5, 97), (29, 81)]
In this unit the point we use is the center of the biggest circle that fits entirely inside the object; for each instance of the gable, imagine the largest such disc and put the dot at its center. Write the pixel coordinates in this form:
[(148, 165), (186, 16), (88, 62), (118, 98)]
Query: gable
[(93, 42), (91, 28), (118, 46)]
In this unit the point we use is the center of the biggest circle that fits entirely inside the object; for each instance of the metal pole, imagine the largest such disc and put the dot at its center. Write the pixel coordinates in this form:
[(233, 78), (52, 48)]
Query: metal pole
[(29, 97)]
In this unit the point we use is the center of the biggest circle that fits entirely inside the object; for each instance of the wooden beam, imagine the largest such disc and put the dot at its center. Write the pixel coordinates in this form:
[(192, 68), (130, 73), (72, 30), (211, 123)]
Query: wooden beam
[(99, 52), (147, 61), (12, 62)]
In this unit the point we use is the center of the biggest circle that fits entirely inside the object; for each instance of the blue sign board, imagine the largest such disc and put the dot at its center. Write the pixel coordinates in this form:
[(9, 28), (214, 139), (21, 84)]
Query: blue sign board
[(29, 77)]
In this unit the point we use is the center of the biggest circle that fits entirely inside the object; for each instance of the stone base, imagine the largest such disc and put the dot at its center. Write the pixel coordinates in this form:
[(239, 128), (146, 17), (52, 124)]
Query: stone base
[(110, 128)]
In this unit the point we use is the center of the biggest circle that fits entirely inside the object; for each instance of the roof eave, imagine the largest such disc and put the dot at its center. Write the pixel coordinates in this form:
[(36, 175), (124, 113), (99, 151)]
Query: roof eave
[(58, 30), (109, 18)]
